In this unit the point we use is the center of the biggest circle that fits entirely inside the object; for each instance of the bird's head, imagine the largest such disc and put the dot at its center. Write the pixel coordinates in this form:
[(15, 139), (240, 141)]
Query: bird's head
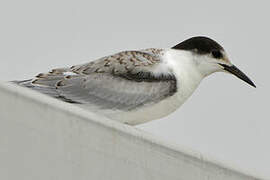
[(210, 57)]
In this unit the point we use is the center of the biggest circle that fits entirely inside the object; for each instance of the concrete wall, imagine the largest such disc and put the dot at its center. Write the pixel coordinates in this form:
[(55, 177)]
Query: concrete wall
[(43, 138)]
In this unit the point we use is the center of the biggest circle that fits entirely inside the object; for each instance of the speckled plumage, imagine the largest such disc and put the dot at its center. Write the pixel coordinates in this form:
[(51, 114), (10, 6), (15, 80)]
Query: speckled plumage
[(134, 87), (122, 81)]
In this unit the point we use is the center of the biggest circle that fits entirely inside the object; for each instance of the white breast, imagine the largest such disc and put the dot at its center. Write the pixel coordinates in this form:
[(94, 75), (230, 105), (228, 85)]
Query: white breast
[(186, 72), (188, 79)]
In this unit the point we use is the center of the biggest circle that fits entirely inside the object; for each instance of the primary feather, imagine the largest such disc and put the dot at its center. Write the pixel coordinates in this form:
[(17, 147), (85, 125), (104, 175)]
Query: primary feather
[(122, 82)]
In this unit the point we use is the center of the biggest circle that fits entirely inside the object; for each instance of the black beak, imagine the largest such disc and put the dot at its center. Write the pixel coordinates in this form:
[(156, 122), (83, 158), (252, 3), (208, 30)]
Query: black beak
[(235, 71)]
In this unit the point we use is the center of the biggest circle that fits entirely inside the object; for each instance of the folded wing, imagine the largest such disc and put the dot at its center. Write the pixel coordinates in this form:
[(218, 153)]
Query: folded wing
[(123, 81)]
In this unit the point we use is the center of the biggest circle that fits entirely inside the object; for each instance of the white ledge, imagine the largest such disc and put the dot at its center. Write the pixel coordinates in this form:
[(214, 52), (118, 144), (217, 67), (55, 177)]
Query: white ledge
[(43, 138)]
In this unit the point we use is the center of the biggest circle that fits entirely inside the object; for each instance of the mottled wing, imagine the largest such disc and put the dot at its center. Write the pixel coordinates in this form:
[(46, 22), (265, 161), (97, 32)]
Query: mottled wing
[(123, 81)]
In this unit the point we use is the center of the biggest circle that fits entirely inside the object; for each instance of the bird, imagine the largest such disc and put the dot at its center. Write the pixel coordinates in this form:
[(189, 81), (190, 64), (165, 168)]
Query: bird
[(137, 86)]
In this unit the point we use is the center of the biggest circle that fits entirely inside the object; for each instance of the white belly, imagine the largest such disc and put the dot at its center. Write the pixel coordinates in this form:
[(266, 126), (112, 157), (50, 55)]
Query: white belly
[(161, 109), (148, 112)]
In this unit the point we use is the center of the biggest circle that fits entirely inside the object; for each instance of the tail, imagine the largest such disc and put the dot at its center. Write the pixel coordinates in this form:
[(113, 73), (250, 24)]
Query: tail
[(51, 91), (48, 90), (25, 83)]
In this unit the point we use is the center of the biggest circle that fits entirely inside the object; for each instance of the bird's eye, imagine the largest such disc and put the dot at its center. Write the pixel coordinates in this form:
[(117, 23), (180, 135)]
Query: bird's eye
[(216, 54)]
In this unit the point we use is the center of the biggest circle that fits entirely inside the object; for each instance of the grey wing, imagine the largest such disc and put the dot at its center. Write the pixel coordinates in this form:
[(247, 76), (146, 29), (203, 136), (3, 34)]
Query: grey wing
[(123, 81)]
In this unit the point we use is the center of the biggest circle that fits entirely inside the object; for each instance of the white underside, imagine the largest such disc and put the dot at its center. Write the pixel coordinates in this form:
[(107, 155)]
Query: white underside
[(188, 79)]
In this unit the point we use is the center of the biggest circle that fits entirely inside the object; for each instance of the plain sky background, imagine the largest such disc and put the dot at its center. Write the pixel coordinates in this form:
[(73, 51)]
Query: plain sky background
[(225, 118)]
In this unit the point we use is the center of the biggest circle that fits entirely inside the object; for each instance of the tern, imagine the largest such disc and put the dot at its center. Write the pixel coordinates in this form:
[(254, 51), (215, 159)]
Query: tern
[(138, 86)]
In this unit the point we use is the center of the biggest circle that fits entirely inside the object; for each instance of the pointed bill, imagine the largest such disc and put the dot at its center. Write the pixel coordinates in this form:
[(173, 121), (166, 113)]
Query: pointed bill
[(238, 73)]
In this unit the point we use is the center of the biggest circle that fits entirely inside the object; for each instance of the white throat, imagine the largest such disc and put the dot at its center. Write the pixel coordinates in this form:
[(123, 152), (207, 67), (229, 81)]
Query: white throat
[(186, 72)]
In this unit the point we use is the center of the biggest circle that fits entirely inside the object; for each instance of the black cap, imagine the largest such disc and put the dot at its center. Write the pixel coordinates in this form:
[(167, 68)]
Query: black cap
[(202, 45)]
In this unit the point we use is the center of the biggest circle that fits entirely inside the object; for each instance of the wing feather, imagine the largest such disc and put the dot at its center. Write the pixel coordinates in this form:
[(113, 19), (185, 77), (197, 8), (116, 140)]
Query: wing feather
[(123, 81)]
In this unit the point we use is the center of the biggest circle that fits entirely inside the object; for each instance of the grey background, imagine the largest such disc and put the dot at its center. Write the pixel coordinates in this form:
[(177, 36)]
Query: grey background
[(224, 118)]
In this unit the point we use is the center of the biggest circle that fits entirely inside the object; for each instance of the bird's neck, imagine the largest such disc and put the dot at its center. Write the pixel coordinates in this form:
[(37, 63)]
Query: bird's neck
[(186, 72)]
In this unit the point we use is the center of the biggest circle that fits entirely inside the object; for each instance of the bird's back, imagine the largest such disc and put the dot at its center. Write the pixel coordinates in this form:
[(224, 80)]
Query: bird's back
[(123, 82)]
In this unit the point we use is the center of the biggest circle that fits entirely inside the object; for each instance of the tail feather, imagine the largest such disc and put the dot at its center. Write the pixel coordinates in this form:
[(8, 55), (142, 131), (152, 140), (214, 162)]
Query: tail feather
[(48, 90)]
